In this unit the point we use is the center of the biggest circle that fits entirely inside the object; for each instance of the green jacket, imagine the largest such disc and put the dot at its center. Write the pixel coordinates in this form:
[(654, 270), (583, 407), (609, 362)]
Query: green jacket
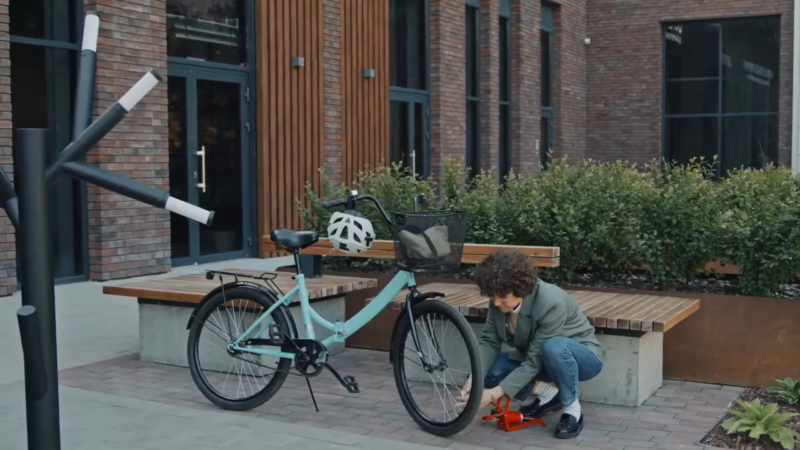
[(548, 312)]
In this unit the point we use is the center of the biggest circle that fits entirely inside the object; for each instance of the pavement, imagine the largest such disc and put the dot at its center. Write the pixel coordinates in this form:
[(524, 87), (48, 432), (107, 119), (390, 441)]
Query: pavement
[(110, 400)]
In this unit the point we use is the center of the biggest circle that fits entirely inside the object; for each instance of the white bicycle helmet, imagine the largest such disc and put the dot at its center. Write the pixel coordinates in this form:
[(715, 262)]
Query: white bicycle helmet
[(350, 232)]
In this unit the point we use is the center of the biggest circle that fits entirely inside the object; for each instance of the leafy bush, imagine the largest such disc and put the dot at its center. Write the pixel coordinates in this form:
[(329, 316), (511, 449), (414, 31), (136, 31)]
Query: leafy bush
[(760, 227), (761, 421), (674, 231), (609, 218), (788, 389)]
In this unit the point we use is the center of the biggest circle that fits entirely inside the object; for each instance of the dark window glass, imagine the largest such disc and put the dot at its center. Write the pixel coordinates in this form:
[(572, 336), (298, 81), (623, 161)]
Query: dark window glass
[(42, 96), (408, 44), (473, 139), (749, 141), (505, 140), (208, 30), (691, 137), (546, 68), (505, 60), (748, 53), (546, 141), (400, 129), (178, 164), (692, 96), (472, 34), (692, 50), (44, 19), (471, 17), (750, 65)]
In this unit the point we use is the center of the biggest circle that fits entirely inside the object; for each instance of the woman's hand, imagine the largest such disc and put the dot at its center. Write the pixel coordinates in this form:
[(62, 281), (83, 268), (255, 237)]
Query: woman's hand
[(489, 395), (467, 387)]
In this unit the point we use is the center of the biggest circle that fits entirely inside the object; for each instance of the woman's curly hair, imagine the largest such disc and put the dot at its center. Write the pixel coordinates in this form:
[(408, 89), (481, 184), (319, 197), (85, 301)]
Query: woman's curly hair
[(505, 272)]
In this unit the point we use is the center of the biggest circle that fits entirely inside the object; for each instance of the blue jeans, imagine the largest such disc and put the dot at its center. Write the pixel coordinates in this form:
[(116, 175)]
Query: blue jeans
[(565, 363)]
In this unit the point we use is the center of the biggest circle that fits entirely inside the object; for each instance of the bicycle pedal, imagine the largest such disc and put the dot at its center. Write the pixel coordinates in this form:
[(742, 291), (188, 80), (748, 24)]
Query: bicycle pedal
[(351, 384)]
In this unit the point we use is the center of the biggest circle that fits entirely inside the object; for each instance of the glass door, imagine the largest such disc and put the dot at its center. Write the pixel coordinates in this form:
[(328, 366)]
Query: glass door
[(409, 132), (208, 154)]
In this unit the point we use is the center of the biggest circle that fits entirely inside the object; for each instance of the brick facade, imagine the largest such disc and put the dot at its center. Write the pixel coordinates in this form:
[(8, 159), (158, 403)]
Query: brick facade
[(8, 252), (525, 84), (625, 63), (569, 81), (489, 89), (128, 238), (606, 96), (448, 83), (332, 23)]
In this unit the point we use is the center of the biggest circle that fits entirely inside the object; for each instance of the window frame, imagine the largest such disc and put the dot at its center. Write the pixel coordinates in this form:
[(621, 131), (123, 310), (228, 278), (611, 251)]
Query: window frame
[(720, 115), (81, 215), (547, 26), (505, 102), (473, 131)]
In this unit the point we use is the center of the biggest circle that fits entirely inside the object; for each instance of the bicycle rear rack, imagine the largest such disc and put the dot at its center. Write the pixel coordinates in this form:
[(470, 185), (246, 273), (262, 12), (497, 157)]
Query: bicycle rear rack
[(267, 277)]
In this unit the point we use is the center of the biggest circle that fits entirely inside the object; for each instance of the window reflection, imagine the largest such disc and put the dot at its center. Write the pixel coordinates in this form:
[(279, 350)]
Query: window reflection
[(208, 30)]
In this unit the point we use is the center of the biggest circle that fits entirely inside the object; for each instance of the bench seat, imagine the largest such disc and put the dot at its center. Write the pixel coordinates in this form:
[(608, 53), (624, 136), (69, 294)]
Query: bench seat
[(165, 306), (631, 328)]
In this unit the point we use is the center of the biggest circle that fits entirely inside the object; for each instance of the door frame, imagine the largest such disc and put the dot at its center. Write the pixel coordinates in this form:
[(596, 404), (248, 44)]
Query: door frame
[(193, 72), (412, 96)]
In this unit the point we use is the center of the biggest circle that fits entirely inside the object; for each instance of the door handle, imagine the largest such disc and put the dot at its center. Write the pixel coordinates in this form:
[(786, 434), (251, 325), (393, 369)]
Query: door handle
[(202, 155)]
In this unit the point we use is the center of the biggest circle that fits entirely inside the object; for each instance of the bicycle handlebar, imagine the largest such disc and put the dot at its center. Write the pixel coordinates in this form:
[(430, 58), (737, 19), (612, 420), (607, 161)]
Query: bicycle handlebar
[(351, 200)]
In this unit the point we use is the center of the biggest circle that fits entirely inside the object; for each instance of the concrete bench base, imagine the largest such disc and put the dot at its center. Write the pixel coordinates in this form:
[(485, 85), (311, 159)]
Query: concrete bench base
[(632, 369), (163, 335)]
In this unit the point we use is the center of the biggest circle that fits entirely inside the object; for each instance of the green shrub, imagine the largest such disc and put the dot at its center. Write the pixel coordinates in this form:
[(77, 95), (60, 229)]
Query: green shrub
[(584, 209), (760, 229), (478, 196), (761, 421), (788, 389), (674, 231)]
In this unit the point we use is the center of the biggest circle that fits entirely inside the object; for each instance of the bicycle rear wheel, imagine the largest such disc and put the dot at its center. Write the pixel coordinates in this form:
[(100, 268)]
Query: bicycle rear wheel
[(235, 381), (430, 391)]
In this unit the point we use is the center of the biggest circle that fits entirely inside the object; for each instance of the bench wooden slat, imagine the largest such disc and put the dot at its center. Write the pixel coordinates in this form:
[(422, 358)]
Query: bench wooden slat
[(192, 288), (472, 253), (604, 310)]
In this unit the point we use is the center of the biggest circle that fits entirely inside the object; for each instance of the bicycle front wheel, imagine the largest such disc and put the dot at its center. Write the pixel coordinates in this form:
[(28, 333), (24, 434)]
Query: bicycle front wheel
[(236, 381), (429, 381)]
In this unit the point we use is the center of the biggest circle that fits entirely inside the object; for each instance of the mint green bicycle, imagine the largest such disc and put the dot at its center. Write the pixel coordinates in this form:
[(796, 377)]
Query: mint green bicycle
[(254, 343)]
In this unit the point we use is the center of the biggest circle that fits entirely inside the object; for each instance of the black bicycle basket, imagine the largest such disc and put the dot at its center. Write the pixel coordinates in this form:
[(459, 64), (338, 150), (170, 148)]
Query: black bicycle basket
[(429, 241)]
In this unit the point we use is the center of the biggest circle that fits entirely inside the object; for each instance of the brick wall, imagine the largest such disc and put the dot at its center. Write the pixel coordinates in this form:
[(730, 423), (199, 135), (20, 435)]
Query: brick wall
[(448, 82), (489, 90), (333, 88), (128, 238), (8, 252), (525, 84), (569, 80), (625, 63)]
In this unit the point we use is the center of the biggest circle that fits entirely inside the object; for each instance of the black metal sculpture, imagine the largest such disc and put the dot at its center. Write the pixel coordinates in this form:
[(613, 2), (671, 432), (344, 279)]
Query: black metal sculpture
[(29, 215)]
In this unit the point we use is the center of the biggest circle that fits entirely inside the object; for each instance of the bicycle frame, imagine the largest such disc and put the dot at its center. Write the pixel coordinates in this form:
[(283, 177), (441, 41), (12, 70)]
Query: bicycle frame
[(341, 330)]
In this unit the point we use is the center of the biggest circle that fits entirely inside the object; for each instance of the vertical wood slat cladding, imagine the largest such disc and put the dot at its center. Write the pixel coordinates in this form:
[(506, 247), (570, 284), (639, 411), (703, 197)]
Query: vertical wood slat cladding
[(365, 101), (289, 107)]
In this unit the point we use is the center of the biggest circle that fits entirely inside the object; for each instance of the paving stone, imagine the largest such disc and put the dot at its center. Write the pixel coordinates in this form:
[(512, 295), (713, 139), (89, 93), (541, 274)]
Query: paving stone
[(676, 417)]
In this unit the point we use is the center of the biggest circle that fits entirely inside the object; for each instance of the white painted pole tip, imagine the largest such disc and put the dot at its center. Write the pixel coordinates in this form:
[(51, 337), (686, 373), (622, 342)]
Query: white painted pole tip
[(139, 90), (91, 28), (190, 211)]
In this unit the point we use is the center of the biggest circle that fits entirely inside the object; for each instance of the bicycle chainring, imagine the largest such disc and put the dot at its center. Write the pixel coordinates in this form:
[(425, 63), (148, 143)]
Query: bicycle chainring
[(311, 356)]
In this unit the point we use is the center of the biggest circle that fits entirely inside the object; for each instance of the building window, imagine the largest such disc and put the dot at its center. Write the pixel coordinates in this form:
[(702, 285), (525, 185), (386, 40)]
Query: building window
[(44, 52), (408, 61), (546, 67), (212, 31), (721, 92), (408, 106), (472, 17), (505, 97)]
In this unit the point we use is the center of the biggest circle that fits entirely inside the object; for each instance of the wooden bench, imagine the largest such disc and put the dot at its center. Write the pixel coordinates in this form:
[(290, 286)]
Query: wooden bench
[(165, 306), (631, 327), (471, 254)]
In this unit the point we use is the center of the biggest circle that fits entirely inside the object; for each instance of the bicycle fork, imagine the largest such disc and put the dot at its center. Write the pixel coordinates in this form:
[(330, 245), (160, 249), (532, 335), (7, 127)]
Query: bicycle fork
[(412, 299)]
